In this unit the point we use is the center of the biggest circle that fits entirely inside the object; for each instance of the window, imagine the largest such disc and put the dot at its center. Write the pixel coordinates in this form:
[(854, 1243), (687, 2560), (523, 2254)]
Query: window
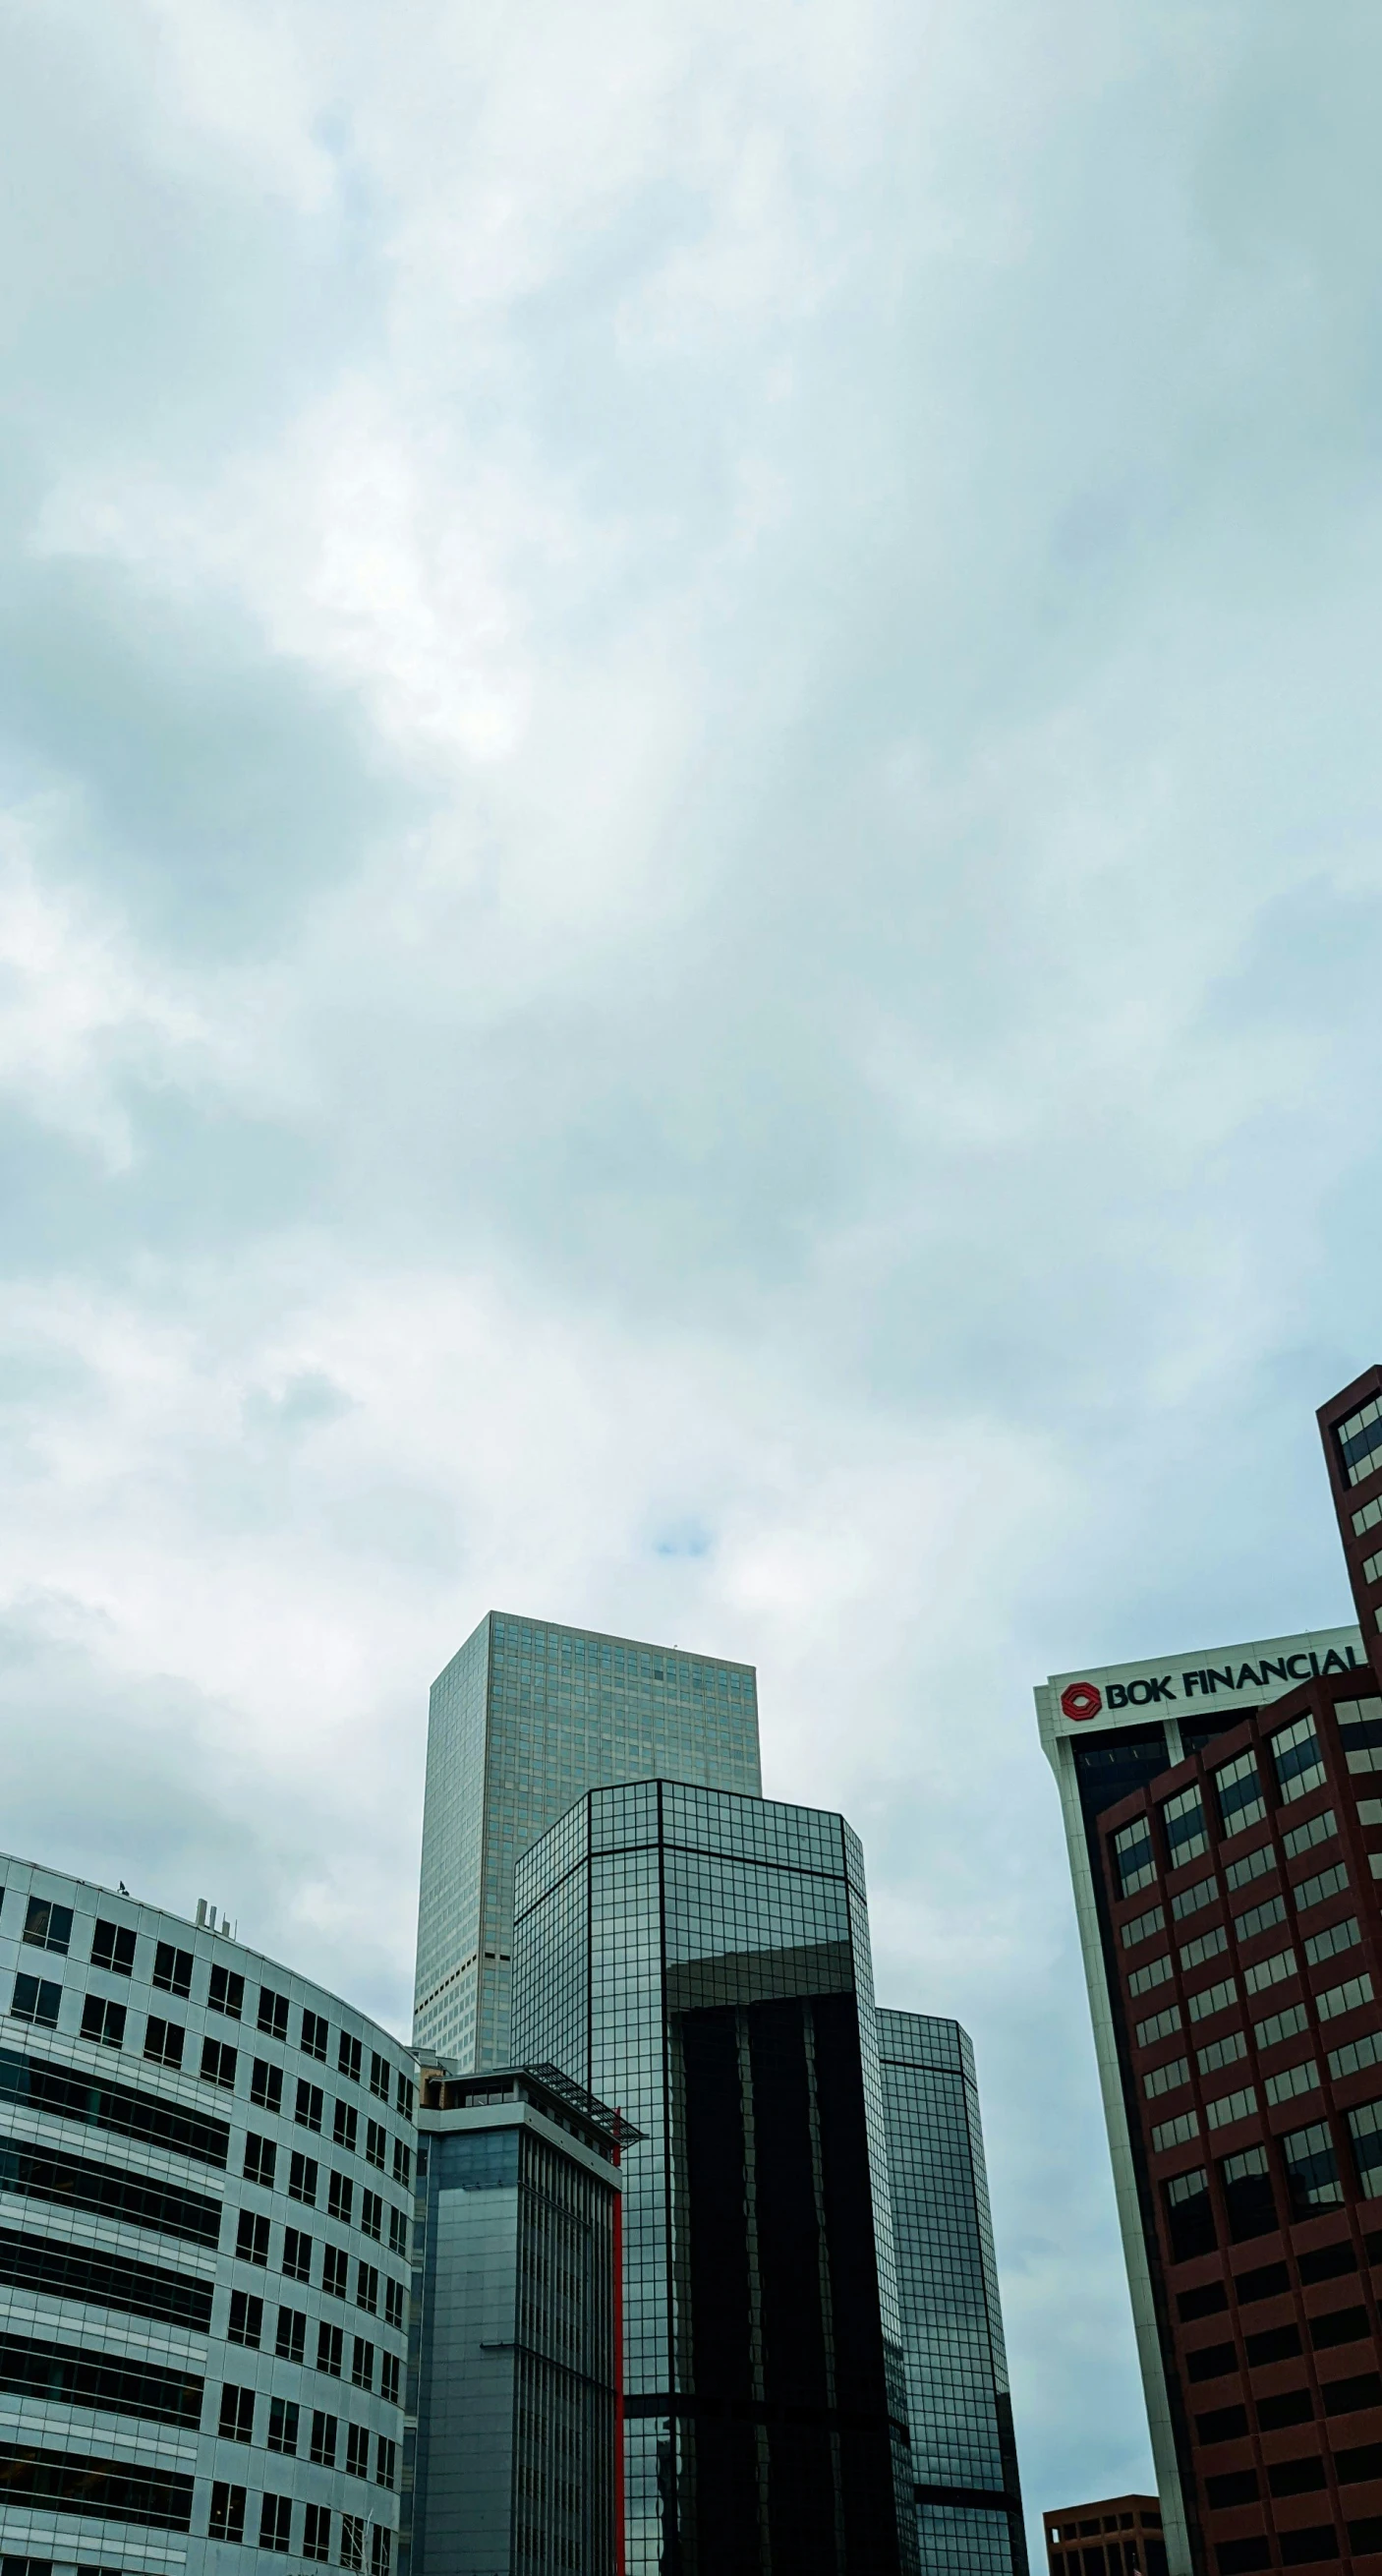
[(218, 2064), (1176, 2133), (1328, 1944), (1317, 1829), (1360, 1732), (1192, 1900), (1270, 1972), (266, 2085), (1369, 1518), (357, 2451), (378, 2076), (367, 2287), (393, 2303), (246, 2320), (308, 2113), (329, 2342), (1221, 2052), (1142, 1927), (388, 2377), (385, 2462), (163, 2041), (1296, 1753), (283, 2426), (1134, 1863), (237, 2415), (403, 2096), (1228, 2107), (1365, 2131), (173, 1969), (314, 2035), (316, 2532), (402, 2164), (103, 2021), (1312, 2173), (348, 2057), (1293, 2080), (1239, 1791), (335, 2270), (1254, 1864), (343, 2126), (227, 1993), (324, 2440), (362, 2364), (36, 2000), (112, 1948), (1344, 1998), (291, 2340), (1212, 1999), (1207, 1946), (371, 2215), (273, 2013), (1164, 2079), (252, 2238), (352, 2540), (340, 2195), (1160, 2026), (276, 2523), (302, 2179), (1313, 1891), (1358, 2053), (1247, 2189), (261, 2156), (297, 2254), (48, 1926), (375, 2140), (1359, 1440), (1283, 2025), (227, 2512), (1182, 1822), (398, 2225), (380, 2549), (1260, 1918)]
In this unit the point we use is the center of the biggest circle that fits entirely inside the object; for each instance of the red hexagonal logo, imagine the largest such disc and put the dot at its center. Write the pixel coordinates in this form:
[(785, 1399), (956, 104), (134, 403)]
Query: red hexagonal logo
[(1080, 1700)]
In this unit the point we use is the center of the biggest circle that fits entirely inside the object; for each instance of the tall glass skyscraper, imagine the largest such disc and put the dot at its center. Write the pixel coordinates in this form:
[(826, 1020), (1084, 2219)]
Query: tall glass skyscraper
[(701, 1961), (964, 2460), (526, 1718)]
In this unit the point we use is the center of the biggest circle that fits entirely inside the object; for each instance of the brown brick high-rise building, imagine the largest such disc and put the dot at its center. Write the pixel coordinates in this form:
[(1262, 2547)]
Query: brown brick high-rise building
[(1351, 1429)]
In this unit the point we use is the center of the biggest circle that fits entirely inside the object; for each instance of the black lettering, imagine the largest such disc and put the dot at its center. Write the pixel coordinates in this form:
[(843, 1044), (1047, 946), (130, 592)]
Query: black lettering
[(1116, 1696), (1246, 1674), (1160, 1689), (1272, 1671), (1220, 1673), (1333, 1663), (1351, 1657), (1315, 1665), (1292, 1661), (1138, 1693), (1189, 1683)]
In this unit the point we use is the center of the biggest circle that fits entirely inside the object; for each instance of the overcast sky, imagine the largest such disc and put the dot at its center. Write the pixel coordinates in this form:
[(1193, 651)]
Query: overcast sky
[(690, 802)]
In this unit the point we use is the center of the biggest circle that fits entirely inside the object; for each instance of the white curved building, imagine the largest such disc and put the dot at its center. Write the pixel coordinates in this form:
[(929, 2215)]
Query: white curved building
[(207, 2169)]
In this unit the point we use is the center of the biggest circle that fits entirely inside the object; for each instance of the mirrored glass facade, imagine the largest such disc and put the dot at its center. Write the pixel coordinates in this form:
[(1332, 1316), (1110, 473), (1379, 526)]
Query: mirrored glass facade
[(526, 1718), (701, 1961), (964, 2461)]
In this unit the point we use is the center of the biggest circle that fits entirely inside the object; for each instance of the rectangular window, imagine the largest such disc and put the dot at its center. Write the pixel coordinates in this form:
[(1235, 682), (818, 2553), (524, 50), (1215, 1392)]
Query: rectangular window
[(1269, 1972), (1370, 1517), (1193, 1899), (1365, 2131), (237, 2415), (1208, 1946), (1344, 1998), (283, 2426), (246, 2320), (343, 2126), (324, 2440), (378, 2076), (273, 2013), (367, 2287), (163, 2041), (226, 1993), (371, 2215), (314, 2035), (1293, 2080), (1221, 2052), (357, 2451), (341, 2194), (261, 2156), (1260, 1918), (380, 2549), (1360, 1733), (103, 2021), (290, 2343), (1313, 1891), (1160, 2026), (266, 2085), (352, 2540), (316, 2532), (1359, 1442), (385, 2462), (227, 2512), (252, 2238), (1254, 1864), (1316, 1829), (1176, 2133), (1143, 1926), (112, 1948), (36, 1999), (1328, 1944), (398, 2224), (1133, 1866), (173, 1969), (1312, 2173), (335, 2270), (404, 2096), (1296, 1754), (362, 2364), (329, 2344), (1212, 1999), (297, 2254), (302, 2179), (1165, 2079), (1238, 1787), (388, 2378), (218, 2064), (1282, 2025), (1358, 2053), (48, 1926), (1182, 1822), (375, 2140), (348, 2057), (393, 2303), (1246, 2183), (308, 2113), (276, 2523), (1230, 2107)]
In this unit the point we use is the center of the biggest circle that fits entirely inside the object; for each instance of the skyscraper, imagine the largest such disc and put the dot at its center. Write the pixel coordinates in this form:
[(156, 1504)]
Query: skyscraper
[(701, 1960), (964, 2459), (1351, 1430), (526, 1718)]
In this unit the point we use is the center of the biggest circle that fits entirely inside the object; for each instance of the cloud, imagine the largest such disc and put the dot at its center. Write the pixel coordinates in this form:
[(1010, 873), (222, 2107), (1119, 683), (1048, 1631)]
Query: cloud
[(689, 924)]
